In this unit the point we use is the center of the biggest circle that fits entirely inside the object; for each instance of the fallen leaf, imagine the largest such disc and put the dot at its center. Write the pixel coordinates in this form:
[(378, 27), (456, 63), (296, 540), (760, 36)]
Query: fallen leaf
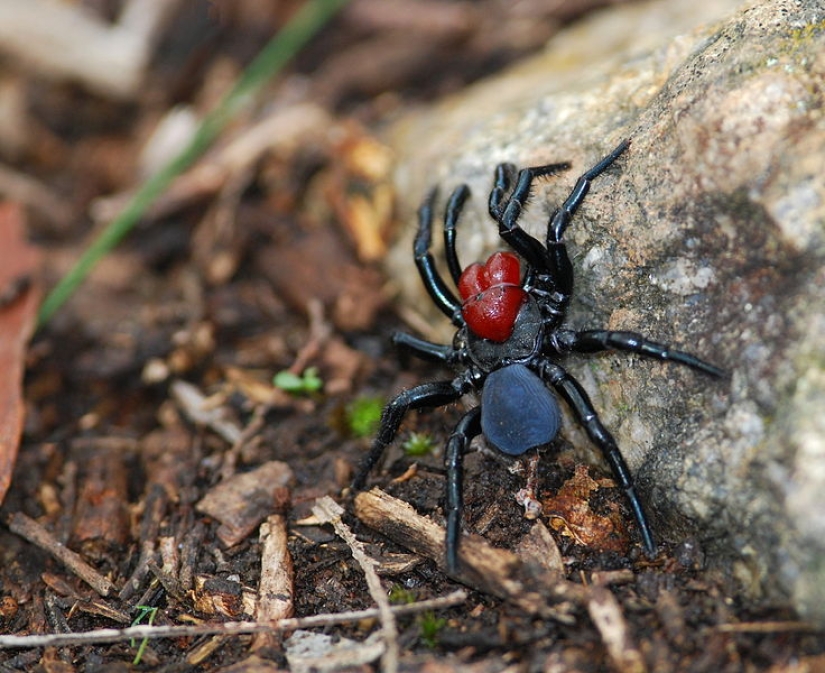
[(19, 299), (570, 513)]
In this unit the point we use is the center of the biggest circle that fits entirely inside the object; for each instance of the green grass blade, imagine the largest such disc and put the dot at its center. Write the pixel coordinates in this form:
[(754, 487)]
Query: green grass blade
[(311, 17)]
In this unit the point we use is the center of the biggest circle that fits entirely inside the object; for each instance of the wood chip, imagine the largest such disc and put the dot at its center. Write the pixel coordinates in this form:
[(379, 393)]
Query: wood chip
[(607, 616), (242, 502), (276, 589)]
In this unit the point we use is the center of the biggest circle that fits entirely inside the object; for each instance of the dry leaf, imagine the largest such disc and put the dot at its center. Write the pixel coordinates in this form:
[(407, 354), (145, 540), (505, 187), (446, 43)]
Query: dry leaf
[(18, 317)]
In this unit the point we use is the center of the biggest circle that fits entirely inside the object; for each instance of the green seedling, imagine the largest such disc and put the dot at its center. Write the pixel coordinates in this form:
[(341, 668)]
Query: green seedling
[(399, 595), (144, 611), (431, 626), (307, 383), (419, 444), (363, 414)]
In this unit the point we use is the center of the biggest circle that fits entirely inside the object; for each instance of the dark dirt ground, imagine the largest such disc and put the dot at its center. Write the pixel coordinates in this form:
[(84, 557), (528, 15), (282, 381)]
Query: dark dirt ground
[(113, 466)]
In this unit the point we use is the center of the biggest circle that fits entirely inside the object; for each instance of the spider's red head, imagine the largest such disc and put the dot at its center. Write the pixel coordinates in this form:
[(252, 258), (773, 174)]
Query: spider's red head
[(492, 295)]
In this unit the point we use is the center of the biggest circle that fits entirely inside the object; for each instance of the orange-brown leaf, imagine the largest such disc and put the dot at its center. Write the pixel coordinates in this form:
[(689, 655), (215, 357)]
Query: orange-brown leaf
[(18, 314)]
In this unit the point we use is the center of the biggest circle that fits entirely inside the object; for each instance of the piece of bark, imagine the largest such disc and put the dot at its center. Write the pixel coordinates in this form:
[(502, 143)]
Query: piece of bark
[(242, 502), (607, 616), (101, 518), (66, 41)]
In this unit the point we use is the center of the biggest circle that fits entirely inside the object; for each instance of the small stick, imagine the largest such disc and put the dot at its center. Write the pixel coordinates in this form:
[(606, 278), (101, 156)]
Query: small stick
[(329, 511), (102, 636), (32, 531)]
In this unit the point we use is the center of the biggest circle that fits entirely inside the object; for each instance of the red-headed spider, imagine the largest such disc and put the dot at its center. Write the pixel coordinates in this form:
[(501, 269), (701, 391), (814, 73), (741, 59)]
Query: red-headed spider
[(509, 341)]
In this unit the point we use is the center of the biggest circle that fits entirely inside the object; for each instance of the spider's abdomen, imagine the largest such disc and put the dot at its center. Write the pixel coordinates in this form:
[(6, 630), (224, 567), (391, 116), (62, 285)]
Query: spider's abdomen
[(492, 296), (518, 412)]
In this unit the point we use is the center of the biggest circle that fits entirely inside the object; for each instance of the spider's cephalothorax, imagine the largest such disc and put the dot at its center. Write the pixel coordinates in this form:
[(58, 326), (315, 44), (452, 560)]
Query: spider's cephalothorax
[(509, 341)]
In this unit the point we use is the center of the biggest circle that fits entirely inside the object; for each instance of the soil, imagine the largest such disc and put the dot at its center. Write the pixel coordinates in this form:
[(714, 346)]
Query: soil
[(162, 489)]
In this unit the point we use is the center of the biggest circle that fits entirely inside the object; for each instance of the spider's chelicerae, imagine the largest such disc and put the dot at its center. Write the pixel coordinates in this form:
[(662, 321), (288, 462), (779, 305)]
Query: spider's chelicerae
[(510, 339)]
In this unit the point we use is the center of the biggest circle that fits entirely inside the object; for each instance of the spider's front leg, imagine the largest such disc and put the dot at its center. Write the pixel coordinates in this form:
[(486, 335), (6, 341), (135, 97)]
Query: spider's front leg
[(435, 394), (560, 271), (506, 209), (562, 215), (426, 350), (441, 295), (451, 214), (578, 400)]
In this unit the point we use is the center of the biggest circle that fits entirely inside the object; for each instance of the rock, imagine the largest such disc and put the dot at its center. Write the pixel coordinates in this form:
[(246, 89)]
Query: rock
[(709, 234)]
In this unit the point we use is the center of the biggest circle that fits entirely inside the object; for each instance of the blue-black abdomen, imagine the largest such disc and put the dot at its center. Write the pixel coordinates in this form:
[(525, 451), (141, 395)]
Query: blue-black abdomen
[(518, 412)]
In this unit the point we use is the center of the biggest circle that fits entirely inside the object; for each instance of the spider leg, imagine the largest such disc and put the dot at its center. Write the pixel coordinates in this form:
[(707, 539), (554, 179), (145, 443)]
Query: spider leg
[(451, 215), (562, 215), (435, 394), (441, 295), (503, 178), (507, 210), (560, 270), (591, 341), (426, 350), (578, 400), (468, 427)]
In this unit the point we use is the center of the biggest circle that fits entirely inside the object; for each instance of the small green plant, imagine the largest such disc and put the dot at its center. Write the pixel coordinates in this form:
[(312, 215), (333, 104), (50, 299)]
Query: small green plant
[(308, 382), (431, 626), (362, 415), (144, 611), (399, 595), (418, 444)]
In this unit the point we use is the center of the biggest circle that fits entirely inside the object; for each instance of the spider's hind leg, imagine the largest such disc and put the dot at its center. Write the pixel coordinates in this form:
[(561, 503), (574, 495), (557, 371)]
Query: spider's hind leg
[(578, 400), (468, 427)]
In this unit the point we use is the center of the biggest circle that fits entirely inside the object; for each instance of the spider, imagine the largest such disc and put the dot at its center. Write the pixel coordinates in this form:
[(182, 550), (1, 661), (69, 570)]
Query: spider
[(509, 340)]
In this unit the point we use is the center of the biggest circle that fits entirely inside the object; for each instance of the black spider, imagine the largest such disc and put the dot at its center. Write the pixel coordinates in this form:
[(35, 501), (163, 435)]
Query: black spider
[(510, 339)]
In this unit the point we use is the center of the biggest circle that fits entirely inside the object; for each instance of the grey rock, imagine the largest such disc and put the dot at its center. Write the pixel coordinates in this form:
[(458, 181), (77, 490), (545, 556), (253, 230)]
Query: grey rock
[(709, 234)]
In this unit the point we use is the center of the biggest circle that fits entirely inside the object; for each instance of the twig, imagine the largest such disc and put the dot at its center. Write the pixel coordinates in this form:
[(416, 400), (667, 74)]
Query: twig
[(64, 41), (32, 531), (196, 407), (101, 636), (16, 186), (767, 627), (329, 511), (319, 333)]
